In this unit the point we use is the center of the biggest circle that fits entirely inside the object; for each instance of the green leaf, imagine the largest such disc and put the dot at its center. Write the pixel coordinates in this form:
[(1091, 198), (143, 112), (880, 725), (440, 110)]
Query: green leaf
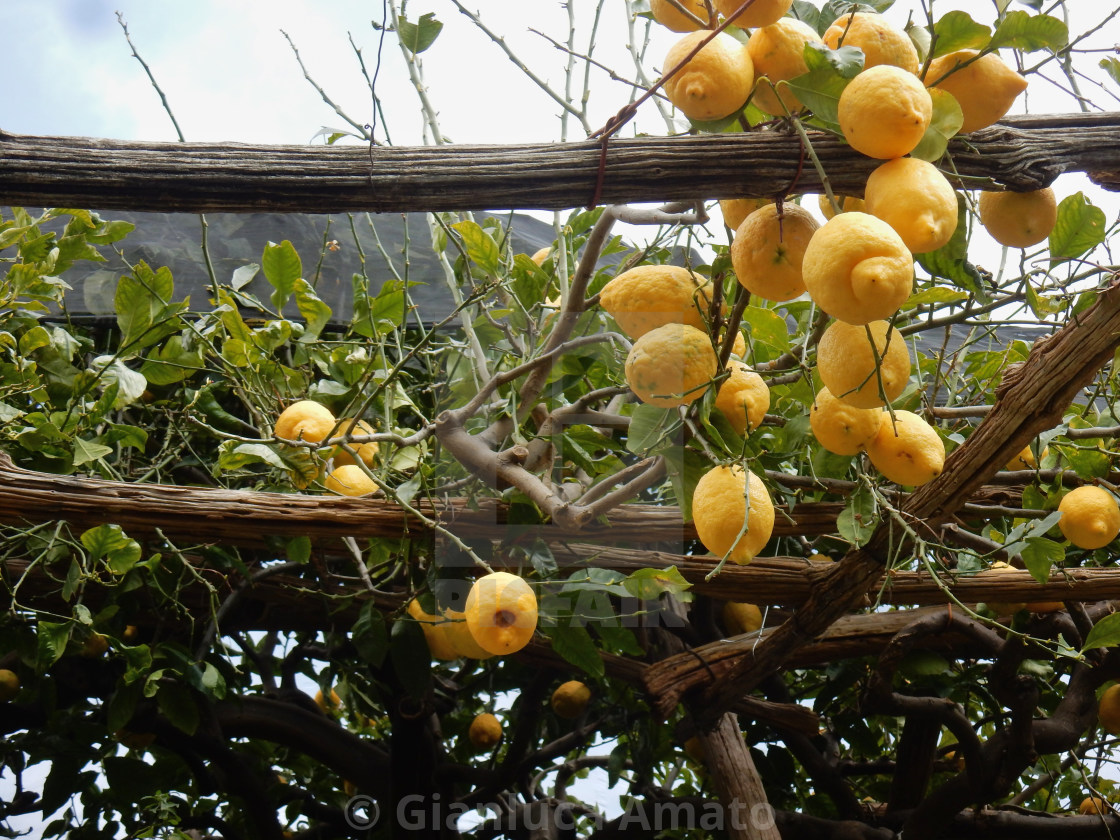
[(86, 451), (52, 638), (299, 549), (282, 268), (370, 635), (575, 644), (314, 311), (178, 705), (130, 384), (234, 456), (1105, 633), (847, 61), (1080, 228), (651, 584), (950, 261), (1023, 31), (120, 551), (1111, 65), (819, 91), (650, 426), (140, 300), (1040, 554), (933, 296), (172, 362), (480, 246), (958, 31), (945, 124), (417, 37), (859, 518)]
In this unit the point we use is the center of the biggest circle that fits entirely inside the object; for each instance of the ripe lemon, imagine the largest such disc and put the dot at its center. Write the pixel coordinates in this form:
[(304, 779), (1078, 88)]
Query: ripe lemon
[(1094, 806), (570, 700), (367, 452), (670, 17), (304, 420), (858, 269), (846, 361), (986, 87), (736, 209), (501, 613), (740, 618), (720, 509), (914, 198), (541, 255), (1018, 219), (435, 634), (739, 346), (1004, 607), (1090, 516), (9, 684), (778, 53), (907, 450), (884, 111), (847, 204), (768, 250), (650, 296), (95, 645), (1108, 710), (350, 480), (839, 427), (880, 40), (715, 82), (1026, 459), (459, 636), (328, 706), (743, 397), (758, 13), (671, 365), (485, 731)]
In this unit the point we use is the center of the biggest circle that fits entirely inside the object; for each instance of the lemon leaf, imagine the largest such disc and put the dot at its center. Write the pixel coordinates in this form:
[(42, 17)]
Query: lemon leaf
[(417, 37), (1023, 31), (847, 61), (958, 31), (950, 261), (1111, 65), (1080, 228), (943, 126), (1040, 554), (575, 644), (1105, 633), (649, 426), (650, 584), (282, 268), (859, 518)]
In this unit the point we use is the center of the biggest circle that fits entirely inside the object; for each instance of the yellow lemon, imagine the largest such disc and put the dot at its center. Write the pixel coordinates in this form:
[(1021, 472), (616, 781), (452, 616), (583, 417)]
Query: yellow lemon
[(1094, 805), (485, 731), (1108, 710), (725, 499), (715, 82), (857, 268), (501, 612), (304, 420), (740, 618), (769, 248), (846, 361), (367, 452), (914, 198), (670, 16), (327, 706), (758, 13), (671, 365), (778, 53), (1090, 516), (1018, 219), (884, 112), (736, 209), (1026, 459), (847, 204), (570, 700), (907, 450), (985, 87), (9, 684), (350, 480), (744, 398), (839, 427), (880, 40), (650, 296), (435, 634), (459, 636), (543, 254)]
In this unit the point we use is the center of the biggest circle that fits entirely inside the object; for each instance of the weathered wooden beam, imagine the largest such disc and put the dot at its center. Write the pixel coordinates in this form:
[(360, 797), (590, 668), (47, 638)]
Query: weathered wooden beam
[(1022, 153)]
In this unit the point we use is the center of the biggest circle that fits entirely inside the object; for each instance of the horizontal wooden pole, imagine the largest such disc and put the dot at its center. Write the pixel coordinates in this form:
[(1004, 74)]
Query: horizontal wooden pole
[(1022, 153)]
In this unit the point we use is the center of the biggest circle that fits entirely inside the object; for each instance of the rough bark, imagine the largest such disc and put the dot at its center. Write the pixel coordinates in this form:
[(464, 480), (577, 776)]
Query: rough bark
[(1022, 153)]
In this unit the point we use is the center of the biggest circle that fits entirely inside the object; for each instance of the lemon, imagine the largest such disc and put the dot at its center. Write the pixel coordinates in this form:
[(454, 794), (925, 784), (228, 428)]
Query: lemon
[(768, 250), (304, 420), (857, 268), (327, 706), (847, 204), (1108, 710), (501, 612), (986, 87), (743, 397), (1094, 805), (720, 509), (9, 684), (650, 296), (846, 361), (734, 210), (1090, 516), (778, 53), (839, 427), (350, 480), (740, 618), (1004, 607), (541, 255), (459, 636), (907, 450), (671, 365), (884, 112), (367, 452), (485, 731), (880, 41), (670, 17), (914, 198), (570, 700), (715, 82), (434, 633), (758, 13), (1018, 219)]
